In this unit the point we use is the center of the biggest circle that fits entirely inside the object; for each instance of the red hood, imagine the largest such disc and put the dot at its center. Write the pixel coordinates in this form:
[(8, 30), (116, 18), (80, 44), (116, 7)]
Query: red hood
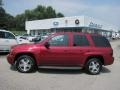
[(23, 46)]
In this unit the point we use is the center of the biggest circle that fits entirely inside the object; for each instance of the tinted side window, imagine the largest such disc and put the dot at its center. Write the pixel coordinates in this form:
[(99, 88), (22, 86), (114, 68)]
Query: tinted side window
[(60, 40), (100, 41), (9, 35), (80, 40), (2, 34)]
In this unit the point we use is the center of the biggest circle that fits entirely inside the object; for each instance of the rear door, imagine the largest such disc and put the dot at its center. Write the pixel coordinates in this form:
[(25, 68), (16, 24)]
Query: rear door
[(10, 40), (79, 47)]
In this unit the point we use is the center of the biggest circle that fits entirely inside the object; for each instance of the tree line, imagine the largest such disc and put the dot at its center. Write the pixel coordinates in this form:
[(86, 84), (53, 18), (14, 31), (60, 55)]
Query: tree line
[(17, 22)]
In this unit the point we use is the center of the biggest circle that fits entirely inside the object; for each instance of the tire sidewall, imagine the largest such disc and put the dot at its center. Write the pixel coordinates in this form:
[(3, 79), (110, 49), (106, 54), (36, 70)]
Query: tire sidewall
[(30, 59), (88, 63)]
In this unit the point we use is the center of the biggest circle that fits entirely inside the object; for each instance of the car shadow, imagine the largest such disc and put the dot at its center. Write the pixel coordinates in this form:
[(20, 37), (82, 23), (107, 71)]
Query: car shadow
[(105, 70), (3, 54), (61, 71), (13, 68), (69, 71)]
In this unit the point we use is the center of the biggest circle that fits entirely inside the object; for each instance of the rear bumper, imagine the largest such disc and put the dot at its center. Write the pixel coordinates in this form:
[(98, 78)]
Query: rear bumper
[(112, 60), (109, 61)]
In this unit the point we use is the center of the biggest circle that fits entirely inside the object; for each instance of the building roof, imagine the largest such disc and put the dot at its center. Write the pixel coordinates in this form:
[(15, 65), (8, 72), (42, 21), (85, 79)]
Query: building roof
[(64, 22)]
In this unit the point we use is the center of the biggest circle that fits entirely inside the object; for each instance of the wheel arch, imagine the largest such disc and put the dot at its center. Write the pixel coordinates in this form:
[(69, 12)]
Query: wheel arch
[(95, 56), (25, 53)]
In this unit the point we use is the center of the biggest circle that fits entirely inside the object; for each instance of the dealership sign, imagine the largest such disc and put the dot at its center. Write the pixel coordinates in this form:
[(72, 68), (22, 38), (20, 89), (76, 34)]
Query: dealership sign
[(55, 23), (94, 25), (77, 21)]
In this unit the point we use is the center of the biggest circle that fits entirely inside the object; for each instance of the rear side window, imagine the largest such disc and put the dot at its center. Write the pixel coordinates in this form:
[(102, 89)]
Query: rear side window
[(2, 34), (80, 40), (100, 41)]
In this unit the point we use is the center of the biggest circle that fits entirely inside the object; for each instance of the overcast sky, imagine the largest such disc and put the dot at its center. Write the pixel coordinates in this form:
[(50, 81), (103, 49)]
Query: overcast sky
[(105, 10)]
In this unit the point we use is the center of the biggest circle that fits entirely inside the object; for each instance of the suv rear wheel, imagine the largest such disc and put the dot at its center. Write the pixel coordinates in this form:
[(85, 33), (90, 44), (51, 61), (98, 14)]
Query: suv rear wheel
[(93, 66), (25, 64)]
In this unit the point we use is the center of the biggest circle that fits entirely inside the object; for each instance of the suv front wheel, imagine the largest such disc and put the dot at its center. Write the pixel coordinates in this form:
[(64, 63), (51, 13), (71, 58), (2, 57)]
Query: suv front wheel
[(25, 64), (93, 66)]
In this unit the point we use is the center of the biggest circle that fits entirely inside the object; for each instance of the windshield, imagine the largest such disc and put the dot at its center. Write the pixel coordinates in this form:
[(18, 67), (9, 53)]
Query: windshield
[(43, 38)]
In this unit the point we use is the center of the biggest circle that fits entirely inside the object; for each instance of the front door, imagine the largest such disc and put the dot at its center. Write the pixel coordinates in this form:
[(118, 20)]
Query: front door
[(6, 41), (58, 52)]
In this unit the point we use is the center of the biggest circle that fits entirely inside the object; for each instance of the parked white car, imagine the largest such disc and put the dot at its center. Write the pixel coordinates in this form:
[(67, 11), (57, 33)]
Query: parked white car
[(115, 35), (29, 37), (7, 40), (21, 40), (44, 37)]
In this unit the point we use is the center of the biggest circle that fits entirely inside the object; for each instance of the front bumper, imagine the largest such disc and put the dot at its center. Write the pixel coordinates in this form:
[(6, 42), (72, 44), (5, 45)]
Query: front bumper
[(10, 59)]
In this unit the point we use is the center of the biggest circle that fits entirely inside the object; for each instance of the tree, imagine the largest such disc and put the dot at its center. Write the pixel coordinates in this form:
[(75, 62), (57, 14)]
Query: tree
[(50, 12), (2, 18), (10, 21), (20, 22), (1, 3), (40, 12), (118, 31), (7, 21), (60, 15)]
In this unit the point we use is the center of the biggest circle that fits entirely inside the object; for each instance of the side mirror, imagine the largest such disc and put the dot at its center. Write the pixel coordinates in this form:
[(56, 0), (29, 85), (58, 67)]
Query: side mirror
[(47, 45)]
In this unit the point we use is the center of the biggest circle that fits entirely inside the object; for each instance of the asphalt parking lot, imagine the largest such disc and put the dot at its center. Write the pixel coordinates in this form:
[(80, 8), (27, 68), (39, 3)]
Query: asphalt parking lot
[(46, 79)]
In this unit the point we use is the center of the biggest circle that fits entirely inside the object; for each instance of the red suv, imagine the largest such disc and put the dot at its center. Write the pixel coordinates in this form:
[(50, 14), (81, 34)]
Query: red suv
[(65, 49)]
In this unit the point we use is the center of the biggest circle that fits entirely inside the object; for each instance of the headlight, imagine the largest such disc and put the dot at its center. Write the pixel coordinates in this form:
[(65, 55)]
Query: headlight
[(13, 46), (11, 50)]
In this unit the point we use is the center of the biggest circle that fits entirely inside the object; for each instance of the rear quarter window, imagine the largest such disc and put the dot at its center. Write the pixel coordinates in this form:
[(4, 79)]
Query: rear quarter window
[(100, 41)]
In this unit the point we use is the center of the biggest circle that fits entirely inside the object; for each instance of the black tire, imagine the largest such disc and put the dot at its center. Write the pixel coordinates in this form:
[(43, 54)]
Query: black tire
[(25, 64), (93, 66)]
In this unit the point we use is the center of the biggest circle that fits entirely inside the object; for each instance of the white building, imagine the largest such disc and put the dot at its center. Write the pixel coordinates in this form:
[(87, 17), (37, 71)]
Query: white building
[(76, 24)]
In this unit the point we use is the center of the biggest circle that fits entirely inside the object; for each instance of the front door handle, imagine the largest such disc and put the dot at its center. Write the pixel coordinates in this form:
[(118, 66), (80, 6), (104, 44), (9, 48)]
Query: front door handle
[(65, 50)]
